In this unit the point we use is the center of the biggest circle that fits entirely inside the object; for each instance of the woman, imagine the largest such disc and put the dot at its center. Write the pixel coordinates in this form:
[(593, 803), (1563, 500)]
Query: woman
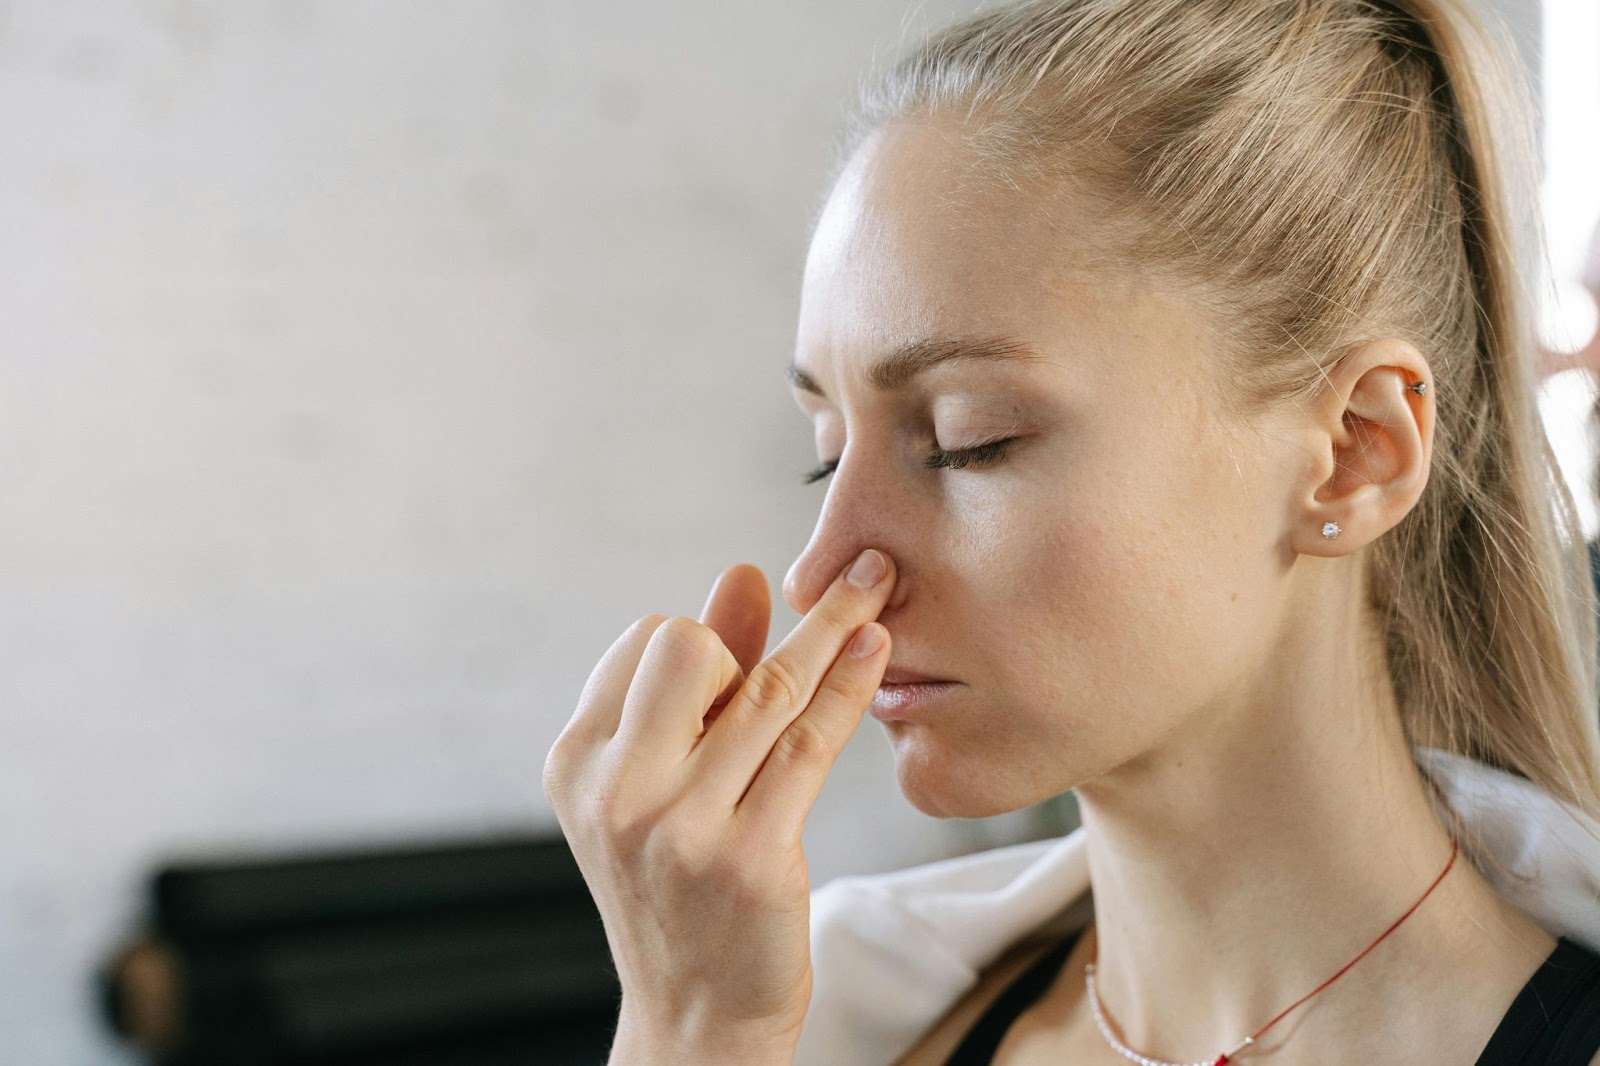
[(1167, 360)]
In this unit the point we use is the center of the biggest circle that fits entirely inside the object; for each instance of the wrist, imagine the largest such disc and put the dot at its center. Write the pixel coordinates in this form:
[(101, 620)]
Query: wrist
[(640, 1043)]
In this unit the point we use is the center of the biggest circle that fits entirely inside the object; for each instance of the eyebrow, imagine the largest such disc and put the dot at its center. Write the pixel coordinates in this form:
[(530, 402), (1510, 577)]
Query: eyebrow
[(907, 361)]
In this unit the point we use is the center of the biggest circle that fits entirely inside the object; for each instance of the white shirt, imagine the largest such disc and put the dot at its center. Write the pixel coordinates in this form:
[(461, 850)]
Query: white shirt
[(1591, 267), (891, 952)]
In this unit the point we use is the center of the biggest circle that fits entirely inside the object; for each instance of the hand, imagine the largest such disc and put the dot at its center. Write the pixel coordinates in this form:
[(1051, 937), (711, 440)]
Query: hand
[(682, 784)]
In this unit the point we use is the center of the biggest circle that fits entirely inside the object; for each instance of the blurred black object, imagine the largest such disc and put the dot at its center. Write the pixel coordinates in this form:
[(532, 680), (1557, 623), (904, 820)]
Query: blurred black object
[(474, 954)]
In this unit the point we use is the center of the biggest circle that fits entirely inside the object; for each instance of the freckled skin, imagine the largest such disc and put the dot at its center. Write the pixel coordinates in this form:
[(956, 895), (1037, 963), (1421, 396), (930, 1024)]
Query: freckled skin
[(1119, 570)]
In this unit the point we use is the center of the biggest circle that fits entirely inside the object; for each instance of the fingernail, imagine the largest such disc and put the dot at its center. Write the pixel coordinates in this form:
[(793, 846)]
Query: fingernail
[(868, 640), (867, 570)]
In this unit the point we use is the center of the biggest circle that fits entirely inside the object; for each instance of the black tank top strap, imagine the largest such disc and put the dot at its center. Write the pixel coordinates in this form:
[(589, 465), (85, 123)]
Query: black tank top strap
[(981, 1041), (1555, 1019)]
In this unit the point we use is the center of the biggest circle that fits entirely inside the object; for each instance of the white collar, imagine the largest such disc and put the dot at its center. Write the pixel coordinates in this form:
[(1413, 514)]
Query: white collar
[(891, 952)]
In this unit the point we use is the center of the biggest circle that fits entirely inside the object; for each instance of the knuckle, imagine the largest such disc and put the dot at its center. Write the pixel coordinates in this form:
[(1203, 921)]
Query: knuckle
[(773, 685), (845, 685), (645, 628), (553, 777), (561, 763), (805, 742), (688, 637)]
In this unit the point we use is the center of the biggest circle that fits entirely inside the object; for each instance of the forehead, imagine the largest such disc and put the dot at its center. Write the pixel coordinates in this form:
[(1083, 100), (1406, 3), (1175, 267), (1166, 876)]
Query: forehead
[(914, 241), (911, 231)]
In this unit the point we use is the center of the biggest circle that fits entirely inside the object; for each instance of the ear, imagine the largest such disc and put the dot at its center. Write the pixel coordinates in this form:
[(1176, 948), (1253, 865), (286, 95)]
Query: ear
[(1374, 445)]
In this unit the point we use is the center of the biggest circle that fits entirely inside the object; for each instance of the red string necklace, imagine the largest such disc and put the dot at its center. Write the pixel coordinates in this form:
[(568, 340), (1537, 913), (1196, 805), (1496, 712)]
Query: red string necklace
[(1228, 1056)]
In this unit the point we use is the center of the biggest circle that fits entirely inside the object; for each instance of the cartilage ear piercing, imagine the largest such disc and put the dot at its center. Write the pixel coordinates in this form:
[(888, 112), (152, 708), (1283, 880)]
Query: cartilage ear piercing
[(1420, 387), (1330, 529)]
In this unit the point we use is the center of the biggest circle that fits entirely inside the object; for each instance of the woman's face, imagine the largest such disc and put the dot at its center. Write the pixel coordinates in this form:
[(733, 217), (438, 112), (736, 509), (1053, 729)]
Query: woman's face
[(1110, 579)]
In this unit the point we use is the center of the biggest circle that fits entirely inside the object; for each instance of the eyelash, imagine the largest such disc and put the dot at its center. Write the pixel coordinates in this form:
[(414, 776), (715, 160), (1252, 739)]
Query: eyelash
[(979, 454)]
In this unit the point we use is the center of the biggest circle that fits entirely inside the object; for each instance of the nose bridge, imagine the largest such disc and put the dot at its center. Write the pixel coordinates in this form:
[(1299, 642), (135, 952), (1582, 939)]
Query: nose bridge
[(849, 523)]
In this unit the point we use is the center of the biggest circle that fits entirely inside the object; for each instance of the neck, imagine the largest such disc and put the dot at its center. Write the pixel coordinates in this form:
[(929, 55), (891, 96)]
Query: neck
[(1247, 860)]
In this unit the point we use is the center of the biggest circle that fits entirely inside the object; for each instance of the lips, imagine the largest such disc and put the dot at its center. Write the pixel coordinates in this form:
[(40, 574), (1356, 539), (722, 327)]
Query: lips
[(907, 701)]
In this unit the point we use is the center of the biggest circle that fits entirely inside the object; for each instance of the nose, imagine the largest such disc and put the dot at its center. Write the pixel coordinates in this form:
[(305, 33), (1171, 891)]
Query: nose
[(856, 515)]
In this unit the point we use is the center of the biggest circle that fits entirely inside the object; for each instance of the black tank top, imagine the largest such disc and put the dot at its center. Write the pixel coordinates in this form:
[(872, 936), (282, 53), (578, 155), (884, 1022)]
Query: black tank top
[(1554, 1021)]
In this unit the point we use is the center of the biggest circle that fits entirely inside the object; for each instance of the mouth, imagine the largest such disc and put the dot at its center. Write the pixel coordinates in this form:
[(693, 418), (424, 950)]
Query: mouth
[(905, 694)]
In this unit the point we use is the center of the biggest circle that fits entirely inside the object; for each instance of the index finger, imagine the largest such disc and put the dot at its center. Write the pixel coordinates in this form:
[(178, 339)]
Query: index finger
[(781, 686)]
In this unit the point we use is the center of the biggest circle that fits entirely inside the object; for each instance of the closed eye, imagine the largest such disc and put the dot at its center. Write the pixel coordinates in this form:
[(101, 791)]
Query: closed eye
[(979, 455), (822, 471)]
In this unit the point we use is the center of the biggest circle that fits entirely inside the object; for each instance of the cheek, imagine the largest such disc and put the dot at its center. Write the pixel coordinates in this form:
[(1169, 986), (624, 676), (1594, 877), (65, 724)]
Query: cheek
[(1109, 603), (1092, 625)]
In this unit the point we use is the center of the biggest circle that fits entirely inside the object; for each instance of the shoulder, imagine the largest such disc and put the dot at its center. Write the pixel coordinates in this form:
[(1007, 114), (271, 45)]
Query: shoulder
[(945, 1035), (892, 953)]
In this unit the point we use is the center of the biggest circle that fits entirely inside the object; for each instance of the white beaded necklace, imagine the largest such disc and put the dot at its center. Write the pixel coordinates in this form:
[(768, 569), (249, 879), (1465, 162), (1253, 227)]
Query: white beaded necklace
[(1127, 1052)]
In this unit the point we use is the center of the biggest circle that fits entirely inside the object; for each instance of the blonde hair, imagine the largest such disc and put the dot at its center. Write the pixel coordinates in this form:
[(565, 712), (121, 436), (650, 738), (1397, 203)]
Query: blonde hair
[(1326, 172)]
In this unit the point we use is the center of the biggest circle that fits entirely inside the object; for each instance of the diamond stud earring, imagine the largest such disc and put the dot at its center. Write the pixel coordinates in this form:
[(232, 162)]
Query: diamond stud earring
[(1330, 529)]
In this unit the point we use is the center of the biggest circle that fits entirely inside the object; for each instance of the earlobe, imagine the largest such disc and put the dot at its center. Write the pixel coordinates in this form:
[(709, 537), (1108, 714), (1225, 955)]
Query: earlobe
[(1378, 440)]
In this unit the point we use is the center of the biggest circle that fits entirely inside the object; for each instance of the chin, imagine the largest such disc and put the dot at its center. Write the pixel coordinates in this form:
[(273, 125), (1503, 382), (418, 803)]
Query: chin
[(942, 788)]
